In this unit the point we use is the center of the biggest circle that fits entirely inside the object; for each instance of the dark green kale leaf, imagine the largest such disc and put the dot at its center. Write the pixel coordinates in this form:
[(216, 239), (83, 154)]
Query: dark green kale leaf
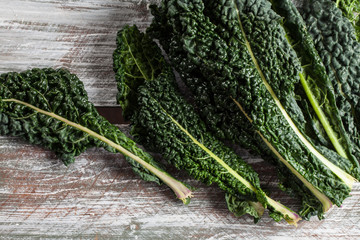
[(316, 91), (238, 52), (335, 42), (351, 10), (164, 122), (50, 108), (212, 114)]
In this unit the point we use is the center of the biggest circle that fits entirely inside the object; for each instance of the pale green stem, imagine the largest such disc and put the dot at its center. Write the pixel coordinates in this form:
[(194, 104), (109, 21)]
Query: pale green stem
[(323, 119), (345, 177), (325, 201), (181, 191), (289, 216)]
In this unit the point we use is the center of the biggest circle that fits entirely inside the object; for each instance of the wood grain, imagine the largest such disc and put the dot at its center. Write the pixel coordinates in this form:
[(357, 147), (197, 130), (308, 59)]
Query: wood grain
[(79, 35), (98, 197)]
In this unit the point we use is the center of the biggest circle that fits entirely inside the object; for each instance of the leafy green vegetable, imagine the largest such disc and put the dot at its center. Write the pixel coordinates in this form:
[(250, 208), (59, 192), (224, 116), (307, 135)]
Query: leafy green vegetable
[(340, 52), (50, 108), (164, 122), (236, 52), (315, 88), (351, 10)]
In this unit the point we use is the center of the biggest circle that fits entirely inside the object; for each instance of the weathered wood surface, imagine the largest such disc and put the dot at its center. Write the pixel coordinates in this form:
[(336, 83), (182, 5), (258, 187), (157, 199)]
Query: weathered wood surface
[(98, 197), (79, 35)]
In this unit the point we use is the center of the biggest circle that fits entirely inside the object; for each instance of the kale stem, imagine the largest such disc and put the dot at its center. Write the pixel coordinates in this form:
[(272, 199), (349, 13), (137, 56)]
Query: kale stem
[(181, 191)]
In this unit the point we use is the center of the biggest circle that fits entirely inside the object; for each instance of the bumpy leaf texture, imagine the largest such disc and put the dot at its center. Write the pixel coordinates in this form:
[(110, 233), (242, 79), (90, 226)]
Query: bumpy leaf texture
[(335, 42), (50, 108), (351, 10), (324, 123), (164, 122), (237, 54)]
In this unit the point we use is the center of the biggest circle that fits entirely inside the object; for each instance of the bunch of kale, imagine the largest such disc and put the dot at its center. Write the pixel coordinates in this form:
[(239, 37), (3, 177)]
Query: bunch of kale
[(282, 83), (263, 76)]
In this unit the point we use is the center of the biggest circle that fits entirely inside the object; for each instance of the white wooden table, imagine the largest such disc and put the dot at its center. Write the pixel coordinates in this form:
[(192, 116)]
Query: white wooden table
[(98, 197)]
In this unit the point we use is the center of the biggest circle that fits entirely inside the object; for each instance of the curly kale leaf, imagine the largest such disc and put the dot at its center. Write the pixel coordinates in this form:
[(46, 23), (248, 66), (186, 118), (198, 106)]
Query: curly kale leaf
[(50, 108), (164, 122), (238, 52)]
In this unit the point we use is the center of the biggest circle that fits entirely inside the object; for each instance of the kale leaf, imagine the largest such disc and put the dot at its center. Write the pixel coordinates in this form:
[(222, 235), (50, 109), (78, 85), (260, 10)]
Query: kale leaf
[(335, 42), (237, 53), (351, 10), (164, 122), (50, 108), (316, 90)]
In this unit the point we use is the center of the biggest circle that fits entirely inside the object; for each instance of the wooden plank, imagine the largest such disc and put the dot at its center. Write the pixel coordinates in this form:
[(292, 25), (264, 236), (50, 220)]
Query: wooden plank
[(99, 197), (78, 35)]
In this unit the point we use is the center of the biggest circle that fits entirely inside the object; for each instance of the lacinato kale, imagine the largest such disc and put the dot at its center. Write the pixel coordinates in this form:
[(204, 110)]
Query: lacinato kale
[(50, 108), (351, 10), (164, 122), (324, 123), (237, 54), (335, 42)]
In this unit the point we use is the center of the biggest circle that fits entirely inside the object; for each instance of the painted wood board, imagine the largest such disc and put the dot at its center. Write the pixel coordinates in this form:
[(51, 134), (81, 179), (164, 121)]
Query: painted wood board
[(98, 197), (78, 35)]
